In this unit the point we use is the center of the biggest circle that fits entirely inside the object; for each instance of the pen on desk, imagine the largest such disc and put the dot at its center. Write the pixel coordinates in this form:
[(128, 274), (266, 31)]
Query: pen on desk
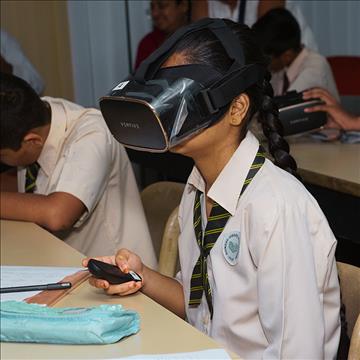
[(55, 286)]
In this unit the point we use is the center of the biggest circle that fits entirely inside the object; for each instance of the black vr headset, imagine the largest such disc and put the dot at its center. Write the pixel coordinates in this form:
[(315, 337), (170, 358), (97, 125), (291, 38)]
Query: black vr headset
[(292, 116), (157, 108)]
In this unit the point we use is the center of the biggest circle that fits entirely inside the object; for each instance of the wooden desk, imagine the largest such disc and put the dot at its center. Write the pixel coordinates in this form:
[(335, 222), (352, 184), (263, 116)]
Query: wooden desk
[(334, 166), (161, 331)]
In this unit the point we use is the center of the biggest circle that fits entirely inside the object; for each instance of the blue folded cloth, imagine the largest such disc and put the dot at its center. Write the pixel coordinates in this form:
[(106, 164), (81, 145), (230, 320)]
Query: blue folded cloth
[(104, 324)]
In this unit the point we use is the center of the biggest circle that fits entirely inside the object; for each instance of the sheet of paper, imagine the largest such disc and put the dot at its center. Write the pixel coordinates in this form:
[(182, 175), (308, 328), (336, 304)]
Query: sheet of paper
[(212, 354), (31, 275)]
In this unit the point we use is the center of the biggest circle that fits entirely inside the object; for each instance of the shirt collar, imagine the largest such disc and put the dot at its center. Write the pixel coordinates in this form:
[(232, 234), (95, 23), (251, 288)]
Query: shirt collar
[(294, 69), (227, 187), (49, 154)]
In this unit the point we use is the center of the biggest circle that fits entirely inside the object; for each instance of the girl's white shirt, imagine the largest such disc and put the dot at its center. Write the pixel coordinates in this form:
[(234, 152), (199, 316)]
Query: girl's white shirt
[(280, 299)]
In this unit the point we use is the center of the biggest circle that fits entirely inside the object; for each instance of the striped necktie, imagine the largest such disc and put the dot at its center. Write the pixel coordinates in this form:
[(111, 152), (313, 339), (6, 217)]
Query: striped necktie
[(30, 177), (214, 227)]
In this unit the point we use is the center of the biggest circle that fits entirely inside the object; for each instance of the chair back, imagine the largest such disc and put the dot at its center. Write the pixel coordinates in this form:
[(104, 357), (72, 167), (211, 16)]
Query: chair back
[(169, 252), (159, 200), (346, 71), (354, 350), (350, 290)]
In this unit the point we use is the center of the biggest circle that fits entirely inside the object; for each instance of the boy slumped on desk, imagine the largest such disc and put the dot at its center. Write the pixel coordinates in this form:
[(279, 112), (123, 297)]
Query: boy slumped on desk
[(258, 271), (73, 178)]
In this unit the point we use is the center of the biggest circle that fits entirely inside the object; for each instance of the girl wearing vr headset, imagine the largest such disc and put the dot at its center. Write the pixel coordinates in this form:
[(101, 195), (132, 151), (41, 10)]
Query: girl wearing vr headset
[(258, 272)]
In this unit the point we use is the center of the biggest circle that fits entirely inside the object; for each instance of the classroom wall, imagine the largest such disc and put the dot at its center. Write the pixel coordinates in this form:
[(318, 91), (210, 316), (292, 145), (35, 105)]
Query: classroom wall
[(41, 28), (104, 37), (335, 25)]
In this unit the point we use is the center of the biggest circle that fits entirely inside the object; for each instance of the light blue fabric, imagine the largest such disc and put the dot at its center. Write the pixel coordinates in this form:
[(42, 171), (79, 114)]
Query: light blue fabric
[(104, 324)]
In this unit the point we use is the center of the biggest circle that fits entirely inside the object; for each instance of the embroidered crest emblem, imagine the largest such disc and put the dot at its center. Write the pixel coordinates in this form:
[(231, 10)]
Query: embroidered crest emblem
[(231, 247)]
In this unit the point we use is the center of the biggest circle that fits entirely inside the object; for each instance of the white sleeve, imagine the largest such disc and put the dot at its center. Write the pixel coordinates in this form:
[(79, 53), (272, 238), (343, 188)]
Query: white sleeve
[(317, 75), (86, 169), (293, 269)]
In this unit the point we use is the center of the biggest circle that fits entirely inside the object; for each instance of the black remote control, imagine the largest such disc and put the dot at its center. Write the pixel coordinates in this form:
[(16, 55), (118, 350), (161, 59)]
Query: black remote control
[(111, 273)]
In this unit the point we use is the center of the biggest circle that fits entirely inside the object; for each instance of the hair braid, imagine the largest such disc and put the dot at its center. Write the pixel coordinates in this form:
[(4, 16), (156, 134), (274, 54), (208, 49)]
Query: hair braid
[(273, 130)]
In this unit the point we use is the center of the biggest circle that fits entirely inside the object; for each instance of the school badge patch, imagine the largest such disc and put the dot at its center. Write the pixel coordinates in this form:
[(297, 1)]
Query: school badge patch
[(231, 247)]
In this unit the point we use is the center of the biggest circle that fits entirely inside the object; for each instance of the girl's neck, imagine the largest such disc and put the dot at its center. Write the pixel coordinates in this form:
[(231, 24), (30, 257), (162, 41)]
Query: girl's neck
[(211, 162)]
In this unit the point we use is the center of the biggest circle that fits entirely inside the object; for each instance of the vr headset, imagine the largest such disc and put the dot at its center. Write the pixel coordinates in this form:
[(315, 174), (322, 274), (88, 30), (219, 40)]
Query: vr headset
[(292, 115), (159, 107)]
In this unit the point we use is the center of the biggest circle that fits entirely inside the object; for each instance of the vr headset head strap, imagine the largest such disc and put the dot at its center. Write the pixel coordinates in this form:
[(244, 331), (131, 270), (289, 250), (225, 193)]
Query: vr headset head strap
[(152, 64), (237, 79), (232, 85)]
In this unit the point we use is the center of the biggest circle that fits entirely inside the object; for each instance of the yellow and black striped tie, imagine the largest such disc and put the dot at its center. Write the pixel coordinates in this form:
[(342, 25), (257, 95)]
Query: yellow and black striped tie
[(215, 225), (30, 177)]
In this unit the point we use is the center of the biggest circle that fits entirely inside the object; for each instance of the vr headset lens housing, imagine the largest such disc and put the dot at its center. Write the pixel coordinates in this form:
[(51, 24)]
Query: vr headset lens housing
[(158, 108), (156, 115)]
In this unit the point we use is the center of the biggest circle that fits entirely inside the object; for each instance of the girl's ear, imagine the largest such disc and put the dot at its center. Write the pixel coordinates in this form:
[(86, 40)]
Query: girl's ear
[(238, 109)]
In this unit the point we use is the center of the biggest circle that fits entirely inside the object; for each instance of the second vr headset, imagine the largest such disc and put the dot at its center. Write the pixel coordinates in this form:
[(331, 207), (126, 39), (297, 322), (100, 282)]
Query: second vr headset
[(159, 107)]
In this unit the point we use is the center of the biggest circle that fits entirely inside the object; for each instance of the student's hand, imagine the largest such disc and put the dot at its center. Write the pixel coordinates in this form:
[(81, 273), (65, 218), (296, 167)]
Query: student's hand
[(338, 118), (125, 260)]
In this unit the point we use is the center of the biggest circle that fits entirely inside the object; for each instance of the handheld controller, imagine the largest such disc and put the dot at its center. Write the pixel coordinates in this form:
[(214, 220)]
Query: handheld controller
[(111, 273)]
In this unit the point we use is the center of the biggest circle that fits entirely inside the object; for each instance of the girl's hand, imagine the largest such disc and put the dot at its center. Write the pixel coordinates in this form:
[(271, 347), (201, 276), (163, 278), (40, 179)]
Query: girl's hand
[(125, 260)]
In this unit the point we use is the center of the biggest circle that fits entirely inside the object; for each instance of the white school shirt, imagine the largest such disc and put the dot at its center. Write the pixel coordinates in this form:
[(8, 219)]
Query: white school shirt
[(309, 69), (81, 157), (219, 9), (280, 298)]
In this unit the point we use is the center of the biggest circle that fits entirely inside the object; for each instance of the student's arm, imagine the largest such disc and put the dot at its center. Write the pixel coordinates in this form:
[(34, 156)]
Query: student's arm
[(166, 291), (338, 117), (8, 180), (267, 5), (199, 9), (55, 212)]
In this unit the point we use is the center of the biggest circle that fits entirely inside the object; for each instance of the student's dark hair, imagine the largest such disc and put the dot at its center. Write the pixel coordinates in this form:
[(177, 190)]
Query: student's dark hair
[(21, 110), (278, 31), (202, 47), (188, 14)]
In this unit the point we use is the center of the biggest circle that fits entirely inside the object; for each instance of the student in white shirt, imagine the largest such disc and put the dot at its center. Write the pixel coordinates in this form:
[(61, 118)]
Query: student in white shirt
[(84, 190), (271, 279), (293, 65), (250, 11)]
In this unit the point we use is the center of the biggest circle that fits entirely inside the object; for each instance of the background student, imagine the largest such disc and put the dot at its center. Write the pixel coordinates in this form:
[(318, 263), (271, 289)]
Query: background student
[(249, 11), (258, 271), (167, 16), (293, 65), (73, 178)]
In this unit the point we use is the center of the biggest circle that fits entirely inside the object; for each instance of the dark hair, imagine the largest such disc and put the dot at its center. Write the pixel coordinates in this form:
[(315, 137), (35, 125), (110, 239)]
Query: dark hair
[(21, 110), (202, 47), (188, 14), (278, 31)]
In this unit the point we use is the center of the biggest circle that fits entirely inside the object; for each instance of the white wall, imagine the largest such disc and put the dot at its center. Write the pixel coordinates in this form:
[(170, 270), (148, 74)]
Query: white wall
[(335, 24), (99, 44)]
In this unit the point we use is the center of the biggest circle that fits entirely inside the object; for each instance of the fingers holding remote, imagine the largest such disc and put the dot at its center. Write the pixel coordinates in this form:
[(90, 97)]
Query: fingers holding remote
[(106, 259), (127, 260), (120, 289)]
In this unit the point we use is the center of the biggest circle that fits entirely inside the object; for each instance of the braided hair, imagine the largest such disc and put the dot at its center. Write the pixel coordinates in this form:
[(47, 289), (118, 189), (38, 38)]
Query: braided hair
[(202, 47)]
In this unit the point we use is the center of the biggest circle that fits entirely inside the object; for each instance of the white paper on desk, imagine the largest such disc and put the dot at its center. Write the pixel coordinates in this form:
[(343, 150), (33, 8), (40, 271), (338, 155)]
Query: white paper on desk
[(212, 354), (31, 275)]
